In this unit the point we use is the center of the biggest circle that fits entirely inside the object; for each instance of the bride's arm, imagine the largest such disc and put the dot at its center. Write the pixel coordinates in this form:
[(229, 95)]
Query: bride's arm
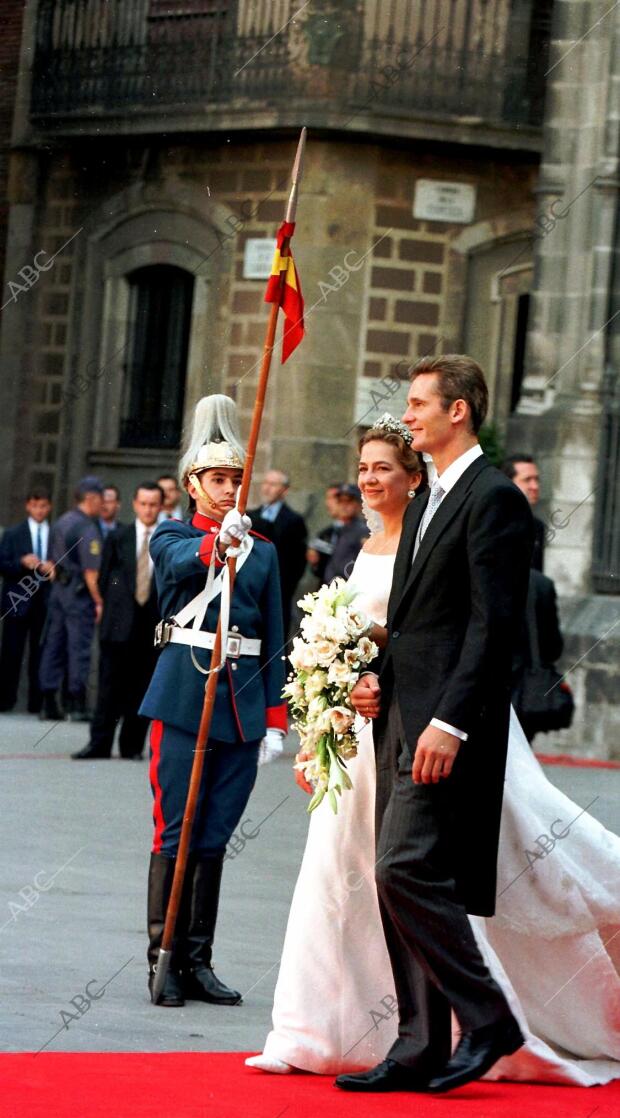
[(378, 634)]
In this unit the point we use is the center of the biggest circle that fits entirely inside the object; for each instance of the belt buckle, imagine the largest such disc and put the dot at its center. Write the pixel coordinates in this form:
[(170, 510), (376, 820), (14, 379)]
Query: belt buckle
[(233, 646), (163, 630)]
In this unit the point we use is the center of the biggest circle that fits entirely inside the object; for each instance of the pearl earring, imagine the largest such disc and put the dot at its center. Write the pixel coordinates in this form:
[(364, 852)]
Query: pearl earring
[(411, 493)]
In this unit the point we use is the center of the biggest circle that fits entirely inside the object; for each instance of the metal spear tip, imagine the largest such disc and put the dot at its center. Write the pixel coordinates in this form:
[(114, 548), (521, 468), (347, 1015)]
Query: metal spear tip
[(298, 165), (159, 978)]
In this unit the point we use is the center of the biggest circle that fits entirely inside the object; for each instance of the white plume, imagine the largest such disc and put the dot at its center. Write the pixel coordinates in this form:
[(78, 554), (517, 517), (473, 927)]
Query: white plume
[(215, 421)]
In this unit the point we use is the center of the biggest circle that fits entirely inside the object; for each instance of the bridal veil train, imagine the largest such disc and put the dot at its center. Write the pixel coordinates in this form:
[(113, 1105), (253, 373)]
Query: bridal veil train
[(553, 945)]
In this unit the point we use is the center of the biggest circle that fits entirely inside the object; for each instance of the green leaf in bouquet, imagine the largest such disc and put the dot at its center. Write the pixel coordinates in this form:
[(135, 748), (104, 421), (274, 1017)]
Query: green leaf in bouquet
[(345, 596), (316, 799)]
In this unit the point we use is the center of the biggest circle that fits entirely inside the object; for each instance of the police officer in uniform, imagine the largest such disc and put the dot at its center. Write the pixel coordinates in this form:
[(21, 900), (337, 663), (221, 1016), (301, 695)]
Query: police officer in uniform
[(249, 717), (75, 603)]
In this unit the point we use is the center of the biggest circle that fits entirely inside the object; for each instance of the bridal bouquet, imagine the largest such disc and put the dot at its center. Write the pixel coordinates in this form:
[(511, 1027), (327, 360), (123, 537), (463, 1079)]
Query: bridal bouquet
[(327, 659)]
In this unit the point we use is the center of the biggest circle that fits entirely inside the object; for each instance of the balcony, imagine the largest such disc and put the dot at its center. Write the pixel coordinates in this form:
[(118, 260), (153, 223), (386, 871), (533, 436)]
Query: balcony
[(445, 68)]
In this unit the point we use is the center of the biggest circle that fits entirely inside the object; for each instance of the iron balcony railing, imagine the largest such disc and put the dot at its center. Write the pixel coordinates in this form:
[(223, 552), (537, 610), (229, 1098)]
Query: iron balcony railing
[(481, 59)]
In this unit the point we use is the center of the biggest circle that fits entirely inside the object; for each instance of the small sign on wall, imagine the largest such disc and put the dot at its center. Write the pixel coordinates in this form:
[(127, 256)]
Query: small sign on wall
[(258, 257), (436, 200)]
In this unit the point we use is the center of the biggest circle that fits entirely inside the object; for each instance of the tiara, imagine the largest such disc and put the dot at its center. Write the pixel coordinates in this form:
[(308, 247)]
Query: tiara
[(387, 422)]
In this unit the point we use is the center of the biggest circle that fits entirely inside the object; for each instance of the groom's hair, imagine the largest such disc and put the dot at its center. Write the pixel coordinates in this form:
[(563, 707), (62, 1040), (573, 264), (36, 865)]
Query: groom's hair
[(458, 378)]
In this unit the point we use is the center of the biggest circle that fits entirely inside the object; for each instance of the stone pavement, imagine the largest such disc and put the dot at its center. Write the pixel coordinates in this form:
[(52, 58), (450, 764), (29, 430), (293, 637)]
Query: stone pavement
[(72, 904)]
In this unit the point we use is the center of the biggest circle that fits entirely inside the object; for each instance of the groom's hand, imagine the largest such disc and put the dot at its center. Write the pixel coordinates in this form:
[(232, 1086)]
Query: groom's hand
[(434, 755), (366, 696)]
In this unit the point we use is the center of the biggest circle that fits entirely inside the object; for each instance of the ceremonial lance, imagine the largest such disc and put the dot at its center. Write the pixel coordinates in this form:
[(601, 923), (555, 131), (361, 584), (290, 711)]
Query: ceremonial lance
[(283, 291)]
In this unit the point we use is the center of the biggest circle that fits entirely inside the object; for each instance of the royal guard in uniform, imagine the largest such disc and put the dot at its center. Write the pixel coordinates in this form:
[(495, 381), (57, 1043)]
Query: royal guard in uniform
[(249, 717)]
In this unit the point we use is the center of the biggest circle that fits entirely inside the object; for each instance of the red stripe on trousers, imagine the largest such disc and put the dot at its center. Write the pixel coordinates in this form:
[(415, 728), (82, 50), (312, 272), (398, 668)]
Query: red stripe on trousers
[(157, 730)]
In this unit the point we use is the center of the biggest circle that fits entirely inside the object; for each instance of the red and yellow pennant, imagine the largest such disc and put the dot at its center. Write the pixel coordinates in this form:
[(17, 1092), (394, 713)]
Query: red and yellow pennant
[(284, 288)]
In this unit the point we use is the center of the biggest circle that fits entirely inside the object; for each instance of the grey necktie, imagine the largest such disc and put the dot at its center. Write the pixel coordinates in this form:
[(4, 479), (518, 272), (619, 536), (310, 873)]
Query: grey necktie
[(436, 496), (143, 572)]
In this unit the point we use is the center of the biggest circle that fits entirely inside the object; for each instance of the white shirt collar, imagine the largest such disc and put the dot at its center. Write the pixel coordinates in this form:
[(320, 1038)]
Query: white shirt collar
[(456, 469), (142, 528), (34, 525), (34, 528)]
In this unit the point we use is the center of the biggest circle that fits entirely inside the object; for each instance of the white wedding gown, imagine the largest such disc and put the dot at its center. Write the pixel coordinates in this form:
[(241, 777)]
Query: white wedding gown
[(553, 945)]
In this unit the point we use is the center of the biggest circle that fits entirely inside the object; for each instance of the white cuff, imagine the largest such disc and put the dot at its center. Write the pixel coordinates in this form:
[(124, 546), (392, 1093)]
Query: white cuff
[(449, 729), (271, 746)]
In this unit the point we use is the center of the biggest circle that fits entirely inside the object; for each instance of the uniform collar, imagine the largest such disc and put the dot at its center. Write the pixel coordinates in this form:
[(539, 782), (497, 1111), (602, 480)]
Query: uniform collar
[(205, 523)]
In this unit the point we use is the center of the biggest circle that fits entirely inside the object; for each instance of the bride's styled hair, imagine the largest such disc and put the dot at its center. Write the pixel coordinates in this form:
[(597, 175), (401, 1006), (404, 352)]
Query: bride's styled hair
[(406, 456)]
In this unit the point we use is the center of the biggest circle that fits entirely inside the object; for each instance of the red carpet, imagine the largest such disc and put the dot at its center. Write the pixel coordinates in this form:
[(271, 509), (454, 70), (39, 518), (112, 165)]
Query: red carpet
[(217, 1085), (578, 762)]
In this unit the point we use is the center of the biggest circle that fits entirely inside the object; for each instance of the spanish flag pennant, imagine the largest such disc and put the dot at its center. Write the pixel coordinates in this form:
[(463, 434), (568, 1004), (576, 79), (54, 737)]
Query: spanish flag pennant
[(283, 287)]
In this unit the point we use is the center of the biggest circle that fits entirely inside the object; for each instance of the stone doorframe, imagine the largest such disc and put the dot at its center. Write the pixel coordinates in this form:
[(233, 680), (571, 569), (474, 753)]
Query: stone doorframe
[(141, 226), (507, 284)]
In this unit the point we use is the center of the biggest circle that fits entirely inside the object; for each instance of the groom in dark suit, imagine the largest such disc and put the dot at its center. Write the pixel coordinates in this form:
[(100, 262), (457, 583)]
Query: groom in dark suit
[(441, 703)]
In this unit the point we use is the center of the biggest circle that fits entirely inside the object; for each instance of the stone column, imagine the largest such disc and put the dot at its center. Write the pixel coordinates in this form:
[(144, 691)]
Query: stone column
[(568, 328), (571, 353)]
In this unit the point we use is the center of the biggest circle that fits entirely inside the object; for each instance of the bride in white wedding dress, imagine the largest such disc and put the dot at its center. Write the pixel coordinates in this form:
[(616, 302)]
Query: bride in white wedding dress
[(553, 945)]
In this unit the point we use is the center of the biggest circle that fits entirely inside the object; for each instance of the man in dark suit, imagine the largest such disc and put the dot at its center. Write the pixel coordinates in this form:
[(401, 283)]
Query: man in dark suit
[(522, 469), (442, 704), (26, 571), (350, 537), (110, 508), (542, 616), (126, 653), (321, 547), (287, 529)]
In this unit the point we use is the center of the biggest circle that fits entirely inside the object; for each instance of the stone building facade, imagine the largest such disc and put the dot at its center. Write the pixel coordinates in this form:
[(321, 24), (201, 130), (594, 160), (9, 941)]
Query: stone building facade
[(141, 201)]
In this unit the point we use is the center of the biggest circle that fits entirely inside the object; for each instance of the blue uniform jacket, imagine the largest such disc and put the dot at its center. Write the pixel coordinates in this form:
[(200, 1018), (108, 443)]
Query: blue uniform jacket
[(249, 690), (76, 545)]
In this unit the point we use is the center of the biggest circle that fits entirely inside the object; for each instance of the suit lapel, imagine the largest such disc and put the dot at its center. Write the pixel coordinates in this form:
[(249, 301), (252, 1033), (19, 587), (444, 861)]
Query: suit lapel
[(446, 512), (127, 547), (402, 564), (28, 544)]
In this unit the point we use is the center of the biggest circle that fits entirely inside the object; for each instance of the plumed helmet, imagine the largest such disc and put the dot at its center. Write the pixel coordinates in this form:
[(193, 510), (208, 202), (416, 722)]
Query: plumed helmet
[(215, 439)]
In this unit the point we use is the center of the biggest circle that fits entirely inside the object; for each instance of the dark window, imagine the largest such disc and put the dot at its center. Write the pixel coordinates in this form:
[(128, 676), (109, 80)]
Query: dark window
[(160, 310), (518, 367)]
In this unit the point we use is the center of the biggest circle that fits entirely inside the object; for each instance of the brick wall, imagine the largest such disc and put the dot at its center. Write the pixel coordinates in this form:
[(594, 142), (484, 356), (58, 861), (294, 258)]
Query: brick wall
[(11, 14), (407, 280), (403, 307), (58, 238)]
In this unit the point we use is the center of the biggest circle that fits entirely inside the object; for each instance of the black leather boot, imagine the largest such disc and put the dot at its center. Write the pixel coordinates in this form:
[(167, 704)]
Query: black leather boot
[(161, 873), (77, 710), (50, 711), (199, 980)]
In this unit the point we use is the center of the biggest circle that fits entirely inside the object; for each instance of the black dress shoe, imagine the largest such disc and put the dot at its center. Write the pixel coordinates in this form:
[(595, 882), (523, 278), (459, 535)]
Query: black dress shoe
[(476, 1053), (201, 984), (89, 753), (386, 1076)]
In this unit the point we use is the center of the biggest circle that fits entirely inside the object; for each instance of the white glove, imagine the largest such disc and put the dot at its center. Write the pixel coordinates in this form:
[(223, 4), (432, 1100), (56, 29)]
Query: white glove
[(234, 527), (271, 746)]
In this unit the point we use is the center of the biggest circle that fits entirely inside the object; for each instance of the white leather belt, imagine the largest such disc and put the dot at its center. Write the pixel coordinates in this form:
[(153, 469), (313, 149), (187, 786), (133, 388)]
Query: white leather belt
[(236, 645)]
